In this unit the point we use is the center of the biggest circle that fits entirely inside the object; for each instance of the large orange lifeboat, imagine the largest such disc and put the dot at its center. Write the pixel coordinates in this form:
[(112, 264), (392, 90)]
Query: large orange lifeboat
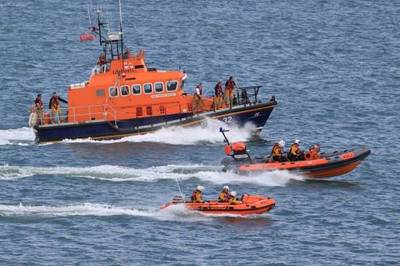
[(249, 205), (124, 96)]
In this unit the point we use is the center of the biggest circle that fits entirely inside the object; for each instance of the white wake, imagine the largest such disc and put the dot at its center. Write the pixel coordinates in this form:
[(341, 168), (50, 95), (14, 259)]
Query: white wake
[(18, 136), (208, 132), (175, 213), (112, 173)]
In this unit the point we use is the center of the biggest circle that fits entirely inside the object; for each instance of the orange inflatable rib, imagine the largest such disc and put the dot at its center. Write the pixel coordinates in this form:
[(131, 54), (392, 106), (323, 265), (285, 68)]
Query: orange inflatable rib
[(250, 205), (326, 166)]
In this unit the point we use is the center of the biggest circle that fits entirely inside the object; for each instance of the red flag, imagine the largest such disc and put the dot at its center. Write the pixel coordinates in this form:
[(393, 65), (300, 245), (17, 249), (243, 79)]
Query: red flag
[(87, 37)]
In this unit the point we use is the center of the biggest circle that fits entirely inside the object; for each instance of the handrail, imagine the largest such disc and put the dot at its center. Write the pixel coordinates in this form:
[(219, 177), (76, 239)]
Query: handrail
[(247, 95), (244, 96), (68, 114)]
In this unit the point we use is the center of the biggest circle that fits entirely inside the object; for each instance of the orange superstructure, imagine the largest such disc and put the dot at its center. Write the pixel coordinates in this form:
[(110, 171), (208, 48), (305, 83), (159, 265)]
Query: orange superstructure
[(125, 88)]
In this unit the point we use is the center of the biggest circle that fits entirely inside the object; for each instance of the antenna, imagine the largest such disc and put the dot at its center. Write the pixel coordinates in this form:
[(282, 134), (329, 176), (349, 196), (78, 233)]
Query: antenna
[(120, 27), (120, 14), (90, 20), (180, 190)]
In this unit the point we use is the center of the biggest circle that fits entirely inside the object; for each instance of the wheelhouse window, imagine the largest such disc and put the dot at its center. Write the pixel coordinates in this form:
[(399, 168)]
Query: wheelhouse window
[(159, 86), (136, 89), (148, 88), (113, 92), (124, 90), (172, 85)]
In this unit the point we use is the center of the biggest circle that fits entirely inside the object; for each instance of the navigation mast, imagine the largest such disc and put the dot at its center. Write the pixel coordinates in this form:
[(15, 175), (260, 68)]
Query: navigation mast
[(112, 42)]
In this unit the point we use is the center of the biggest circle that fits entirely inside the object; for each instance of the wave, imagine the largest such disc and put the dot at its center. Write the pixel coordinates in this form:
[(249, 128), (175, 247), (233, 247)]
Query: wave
[(23, 136), (205, 173), (208, 132), (173, 213), (69, 210)]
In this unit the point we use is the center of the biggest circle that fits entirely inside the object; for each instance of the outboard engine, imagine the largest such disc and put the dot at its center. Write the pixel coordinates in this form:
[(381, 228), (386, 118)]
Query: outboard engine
[(237, 148), (237, 153)]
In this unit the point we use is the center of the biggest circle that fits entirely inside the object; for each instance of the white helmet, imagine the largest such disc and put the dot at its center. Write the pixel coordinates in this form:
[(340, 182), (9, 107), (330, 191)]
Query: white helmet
[(225, 188), (281, 143), (200, 188), (233, 193), (297, 141), (317, 147)]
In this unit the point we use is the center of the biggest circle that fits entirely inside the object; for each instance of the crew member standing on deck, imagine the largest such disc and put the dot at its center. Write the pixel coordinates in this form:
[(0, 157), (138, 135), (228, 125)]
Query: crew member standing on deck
[(219, 94), (229, 88), (101, 61), (197, 101), (54, 106), (39, 109)]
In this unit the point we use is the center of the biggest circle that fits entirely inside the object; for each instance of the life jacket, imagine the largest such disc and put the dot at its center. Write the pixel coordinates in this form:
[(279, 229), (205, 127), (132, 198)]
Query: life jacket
[(233, 200), (276, 150), (197, 196), (294, 149), (312, 154), (55, 104), (223, 196), (230, 84), (39, 103), (218, 90)]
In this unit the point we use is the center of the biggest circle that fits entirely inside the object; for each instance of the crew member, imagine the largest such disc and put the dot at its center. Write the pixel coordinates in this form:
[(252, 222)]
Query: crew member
[(197, 101), (219, 94), (295, 153), (197, 195), (101, 61), (229, 88), (127, 53), (224, 195), (54, 106), (277, 152), (39, 109), (233, 199), (313, 152)]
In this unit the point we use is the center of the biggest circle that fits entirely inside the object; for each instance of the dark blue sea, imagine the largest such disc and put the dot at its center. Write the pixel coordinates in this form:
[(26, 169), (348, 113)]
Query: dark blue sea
[(334, 68)]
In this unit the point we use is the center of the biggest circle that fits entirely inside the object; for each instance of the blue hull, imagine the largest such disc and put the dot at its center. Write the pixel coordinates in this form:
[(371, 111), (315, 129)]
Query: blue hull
[(257, 114)]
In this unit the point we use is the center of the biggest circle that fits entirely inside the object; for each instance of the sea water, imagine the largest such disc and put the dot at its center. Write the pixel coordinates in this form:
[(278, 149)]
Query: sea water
[(334, 69)]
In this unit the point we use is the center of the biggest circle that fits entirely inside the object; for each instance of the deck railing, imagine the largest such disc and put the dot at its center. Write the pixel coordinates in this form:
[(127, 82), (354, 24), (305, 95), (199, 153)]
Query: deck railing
[(246, 95), (109, 113), (243, 96)]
